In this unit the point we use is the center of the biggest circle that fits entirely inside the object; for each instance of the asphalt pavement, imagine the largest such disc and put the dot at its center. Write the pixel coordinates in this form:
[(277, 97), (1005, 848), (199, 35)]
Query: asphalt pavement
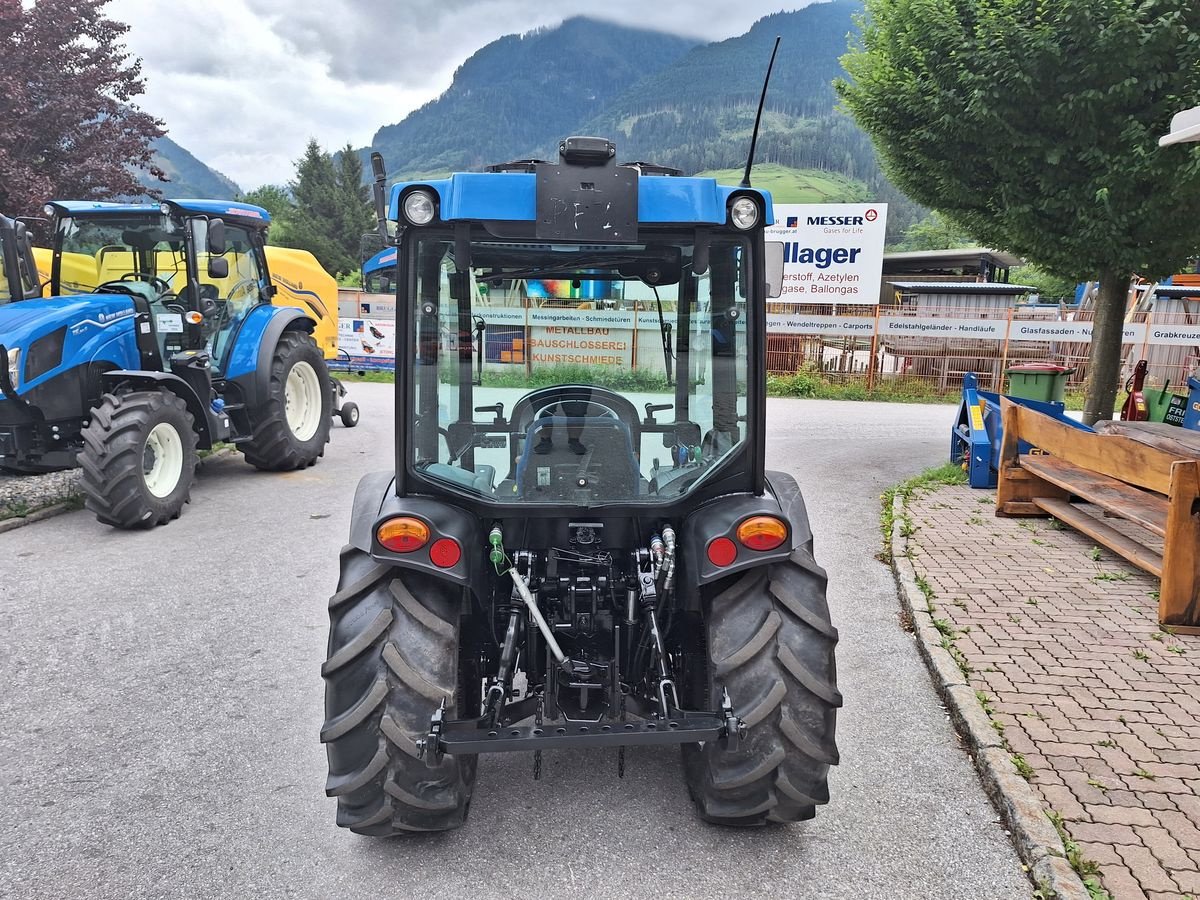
[(162, 700)]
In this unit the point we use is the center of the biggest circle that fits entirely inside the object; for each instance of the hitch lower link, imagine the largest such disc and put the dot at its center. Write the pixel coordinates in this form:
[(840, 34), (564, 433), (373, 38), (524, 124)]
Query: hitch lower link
[(469, 736)]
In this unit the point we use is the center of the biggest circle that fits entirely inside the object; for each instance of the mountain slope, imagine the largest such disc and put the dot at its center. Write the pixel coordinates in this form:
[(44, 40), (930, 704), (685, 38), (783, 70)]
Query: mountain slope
[(518, 95), (698, 113), (188, 176)]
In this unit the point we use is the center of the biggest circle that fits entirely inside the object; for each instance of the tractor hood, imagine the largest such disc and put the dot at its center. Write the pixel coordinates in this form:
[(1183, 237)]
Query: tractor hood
[(23, 323)]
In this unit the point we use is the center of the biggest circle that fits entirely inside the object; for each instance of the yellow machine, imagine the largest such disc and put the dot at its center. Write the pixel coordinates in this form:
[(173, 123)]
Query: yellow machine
[(299, 281)]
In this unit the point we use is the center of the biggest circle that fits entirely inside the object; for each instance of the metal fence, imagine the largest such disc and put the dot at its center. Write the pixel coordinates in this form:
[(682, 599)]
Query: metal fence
[(930, 347)]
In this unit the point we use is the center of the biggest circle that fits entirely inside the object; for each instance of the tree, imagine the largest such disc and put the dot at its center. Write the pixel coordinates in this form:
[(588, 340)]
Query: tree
[(66, 91), (1034, 124), (331, 211), (276, 200), (934, 232)]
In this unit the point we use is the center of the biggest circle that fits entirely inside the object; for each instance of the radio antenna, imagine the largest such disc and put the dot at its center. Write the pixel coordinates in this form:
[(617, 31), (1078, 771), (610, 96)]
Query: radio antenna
[(758, 116)]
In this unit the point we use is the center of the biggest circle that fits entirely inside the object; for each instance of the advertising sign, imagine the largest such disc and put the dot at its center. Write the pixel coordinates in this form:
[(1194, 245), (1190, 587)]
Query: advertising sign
[(832, 252), (370, 343)]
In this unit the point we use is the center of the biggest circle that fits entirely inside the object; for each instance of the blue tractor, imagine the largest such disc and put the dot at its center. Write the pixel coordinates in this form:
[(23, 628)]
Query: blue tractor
[(379, 272), (158, 339), (579, 545)]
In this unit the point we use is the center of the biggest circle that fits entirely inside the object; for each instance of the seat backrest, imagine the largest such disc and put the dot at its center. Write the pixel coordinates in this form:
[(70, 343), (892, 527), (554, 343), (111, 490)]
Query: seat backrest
[(549, 469)]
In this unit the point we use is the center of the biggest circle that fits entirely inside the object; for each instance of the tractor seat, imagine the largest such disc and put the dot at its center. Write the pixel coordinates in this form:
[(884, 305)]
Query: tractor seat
[(551, 465)]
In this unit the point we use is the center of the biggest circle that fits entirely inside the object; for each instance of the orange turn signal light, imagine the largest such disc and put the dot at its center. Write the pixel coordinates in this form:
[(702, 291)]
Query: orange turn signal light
[(403, 534), (193, 317), (762, 533)]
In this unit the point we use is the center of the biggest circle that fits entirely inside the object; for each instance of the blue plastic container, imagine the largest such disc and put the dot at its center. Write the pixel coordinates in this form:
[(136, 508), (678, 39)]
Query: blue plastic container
[(1191, 418)]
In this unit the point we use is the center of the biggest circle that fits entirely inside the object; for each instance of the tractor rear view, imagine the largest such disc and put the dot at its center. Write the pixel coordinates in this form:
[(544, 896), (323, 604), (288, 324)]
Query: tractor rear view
[(594, 559), (159, 339)]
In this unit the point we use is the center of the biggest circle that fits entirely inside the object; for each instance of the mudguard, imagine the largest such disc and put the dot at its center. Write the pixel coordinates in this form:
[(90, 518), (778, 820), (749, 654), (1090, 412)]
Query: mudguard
[(249, 363), (165, 381), (375, 499), (721, 517)]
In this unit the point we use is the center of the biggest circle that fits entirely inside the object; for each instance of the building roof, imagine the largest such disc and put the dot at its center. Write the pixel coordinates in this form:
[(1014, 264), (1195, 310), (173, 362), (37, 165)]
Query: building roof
[(1177, 290), (963, 287), (919, 260)]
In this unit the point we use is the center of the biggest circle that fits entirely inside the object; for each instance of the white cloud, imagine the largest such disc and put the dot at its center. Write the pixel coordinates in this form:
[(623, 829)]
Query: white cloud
[(243, 84)]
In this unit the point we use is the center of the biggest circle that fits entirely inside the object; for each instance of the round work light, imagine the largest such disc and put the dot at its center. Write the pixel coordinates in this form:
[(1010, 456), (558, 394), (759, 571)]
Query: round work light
[(744, 213), (419, 208)]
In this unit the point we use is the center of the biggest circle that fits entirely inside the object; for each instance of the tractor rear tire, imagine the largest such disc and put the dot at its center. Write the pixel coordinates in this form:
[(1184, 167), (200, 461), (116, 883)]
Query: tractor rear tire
[(771, 645), (138, 459), (393, 657), (291, 426)]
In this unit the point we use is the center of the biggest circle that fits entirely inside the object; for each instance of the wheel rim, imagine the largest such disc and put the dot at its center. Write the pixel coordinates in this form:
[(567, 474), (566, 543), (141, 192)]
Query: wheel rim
[(162, 460), (302, 401)]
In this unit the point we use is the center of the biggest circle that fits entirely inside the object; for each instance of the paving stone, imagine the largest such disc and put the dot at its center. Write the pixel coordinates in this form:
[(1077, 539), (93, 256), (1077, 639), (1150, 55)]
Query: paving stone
[(1090, 715)]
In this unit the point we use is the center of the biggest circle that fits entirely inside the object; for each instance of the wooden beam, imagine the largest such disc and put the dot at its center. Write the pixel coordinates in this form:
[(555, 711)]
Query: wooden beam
[(1114, 497), (1142, 557), (1109, 454), (1179, 594)]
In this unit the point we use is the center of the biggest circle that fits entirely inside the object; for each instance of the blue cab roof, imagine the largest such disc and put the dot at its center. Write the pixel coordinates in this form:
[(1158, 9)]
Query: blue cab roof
[(511, 196), (245, 213), (381, 260)]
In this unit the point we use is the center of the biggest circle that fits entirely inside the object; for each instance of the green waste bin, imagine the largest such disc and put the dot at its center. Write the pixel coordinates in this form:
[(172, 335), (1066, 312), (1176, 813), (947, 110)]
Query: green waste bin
[(1158, 401), (1038, 381)]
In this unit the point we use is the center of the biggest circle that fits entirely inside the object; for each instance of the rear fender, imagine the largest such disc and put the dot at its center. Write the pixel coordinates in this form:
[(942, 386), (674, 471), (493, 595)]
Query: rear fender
[(721, 517), (376, 500), (163, 381), (249, 364)]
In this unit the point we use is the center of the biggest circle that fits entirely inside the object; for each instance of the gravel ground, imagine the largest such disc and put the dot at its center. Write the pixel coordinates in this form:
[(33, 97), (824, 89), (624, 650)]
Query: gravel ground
[(21, 494)]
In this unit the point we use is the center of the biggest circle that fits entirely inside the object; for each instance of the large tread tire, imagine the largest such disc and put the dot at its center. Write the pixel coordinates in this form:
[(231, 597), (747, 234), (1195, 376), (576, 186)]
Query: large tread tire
[(771, 644), (393, 656), (112, 473), (273, 446)]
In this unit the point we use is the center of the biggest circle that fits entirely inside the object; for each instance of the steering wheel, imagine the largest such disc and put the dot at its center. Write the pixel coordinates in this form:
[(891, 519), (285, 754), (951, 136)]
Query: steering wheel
[(123, 285), (153, 280), (594, 409)]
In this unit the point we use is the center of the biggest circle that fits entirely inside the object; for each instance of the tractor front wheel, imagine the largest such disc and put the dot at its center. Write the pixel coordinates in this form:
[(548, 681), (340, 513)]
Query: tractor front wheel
[(393, 659), (291, 425), (771, 645), (138, 459)]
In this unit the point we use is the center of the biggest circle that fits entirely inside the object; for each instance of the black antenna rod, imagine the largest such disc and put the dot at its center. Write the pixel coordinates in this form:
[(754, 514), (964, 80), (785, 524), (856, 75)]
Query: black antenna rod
[(758, 117)]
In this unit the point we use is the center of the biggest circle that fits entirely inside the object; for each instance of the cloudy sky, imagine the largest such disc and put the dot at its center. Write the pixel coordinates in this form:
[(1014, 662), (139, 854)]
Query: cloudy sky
[(243, 84)]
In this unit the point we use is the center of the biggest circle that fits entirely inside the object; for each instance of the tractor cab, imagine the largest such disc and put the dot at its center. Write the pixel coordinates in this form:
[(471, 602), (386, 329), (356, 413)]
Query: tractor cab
[(18, 271), (630, 298), (191, 270)]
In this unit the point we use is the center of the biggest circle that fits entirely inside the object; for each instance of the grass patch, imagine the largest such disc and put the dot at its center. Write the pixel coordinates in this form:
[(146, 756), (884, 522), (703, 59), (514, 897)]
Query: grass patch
[(947, 473), (1024, 769), (812, 384), (1088, 870)]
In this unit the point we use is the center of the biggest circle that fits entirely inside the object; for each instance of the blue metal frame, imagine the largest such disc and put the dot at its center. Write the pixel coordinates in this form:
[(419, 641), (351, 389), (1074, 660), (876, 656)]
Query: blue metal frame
[(978, 430)]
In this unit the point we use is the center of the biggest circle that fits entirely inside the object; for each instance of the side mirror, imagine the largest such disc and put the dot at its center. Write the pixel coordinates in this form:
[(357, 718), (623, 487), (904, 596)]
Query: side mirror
[(774, 258), (218, 267), (216, 238)]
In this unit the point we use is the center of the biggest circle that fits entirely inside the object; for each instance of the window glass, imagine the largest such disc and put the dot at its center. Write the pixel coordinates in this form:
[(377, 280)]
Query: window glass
[(585, 374)]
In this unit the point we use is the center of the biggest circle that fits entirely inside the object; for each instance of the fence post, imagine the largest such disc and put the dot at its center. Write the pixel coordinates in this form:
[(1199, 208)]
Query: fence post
[(874, 352), (999, 385)]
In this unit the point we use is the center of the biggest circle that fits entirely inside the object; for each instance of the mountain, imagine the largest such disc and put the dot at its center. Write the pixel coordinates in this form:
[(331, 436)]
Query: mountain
[(520, 94), (661, 98), (799, 185), (698, 113), (188, 177)]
